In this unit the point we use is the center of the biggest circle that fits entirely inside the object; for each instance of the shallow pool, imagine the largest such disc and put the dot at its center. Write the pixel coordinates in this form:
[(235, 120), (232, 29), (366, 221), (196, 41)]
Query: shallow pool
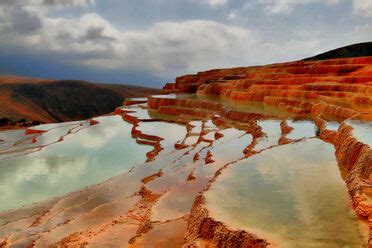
[(87, 157), (293, 195)]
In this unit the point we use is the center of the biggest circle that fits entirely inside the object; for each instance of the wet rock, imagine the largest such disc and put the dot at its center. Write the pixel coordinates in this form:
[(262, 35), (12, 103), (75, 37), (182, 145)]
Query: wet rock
[(201, 227)]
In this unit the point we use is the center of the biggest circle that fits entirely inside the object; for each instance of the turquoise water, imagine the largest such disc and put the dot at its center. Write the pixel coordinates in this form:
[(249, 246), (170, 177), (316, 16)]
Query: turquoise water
[(89, 156), (301, 129), (292, 195), (362, 131)]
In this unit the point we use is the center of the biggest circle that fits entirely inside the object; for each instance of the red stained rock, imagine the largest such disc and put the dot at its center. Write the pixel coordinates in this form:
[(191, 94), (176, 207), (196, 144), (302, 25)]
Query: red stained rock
[(129, 118), (293, 86), (201, 227), (180, 146), (336, 89), (208, 158), (129, 102), (355, 160), (196, 157), (34, 131), (93, 122), (191, 177), (217, 135), (152, 177), (118, 111)]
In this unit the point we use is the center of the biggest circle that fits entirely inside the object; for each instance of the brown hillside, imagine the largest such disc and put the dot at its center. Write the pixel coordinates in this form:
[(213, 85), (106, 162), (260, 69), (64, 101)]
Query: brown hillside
[(40, 100)]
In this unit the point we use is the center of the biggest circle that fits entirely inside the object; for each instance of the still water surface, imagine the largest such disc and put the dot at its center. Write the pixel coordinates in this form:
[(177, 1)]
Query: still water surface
[(89, 156), (292, 195)]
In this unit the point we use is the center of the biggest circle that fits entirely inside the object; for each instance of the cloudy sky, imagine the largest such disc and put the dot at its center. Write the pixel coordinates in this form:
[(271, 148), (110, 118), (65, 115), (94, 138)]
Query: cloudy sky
[(150, 42)]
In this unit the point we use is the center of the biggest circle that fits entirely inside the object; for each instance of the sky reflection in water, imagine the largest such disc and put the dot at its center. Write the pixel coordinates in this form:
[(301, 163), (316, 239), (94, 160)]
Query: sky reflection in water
[(85, 158), (290, 195)]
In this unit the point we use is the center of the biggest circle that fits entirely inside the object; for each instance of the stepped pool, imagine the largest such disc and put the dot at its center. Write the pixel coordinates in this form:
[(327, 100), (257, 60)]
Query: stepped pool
[(88, 181), (291, 195), (31, 172)]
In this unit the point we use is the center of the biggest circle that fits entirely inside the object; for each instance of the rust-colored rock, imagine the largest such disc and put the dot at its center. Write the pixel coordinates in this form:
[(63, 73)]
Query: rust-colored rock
[(180, 146), (152, 177), (209, 158), (201, 227), (33, 131), (93, 122), (344, 84), (334, 89)]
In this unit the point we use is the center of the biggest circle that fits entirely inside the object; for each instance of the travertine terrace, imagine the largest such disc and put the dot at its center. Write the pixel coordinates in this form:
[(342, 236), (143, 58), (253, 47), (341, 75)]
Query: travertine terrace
[(222, 122), (295, 87)]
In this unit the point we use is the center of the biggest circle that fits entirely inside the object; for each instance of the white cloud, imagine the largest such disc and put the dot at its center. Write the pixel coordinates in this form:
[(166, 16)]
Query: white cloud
[(165, 48), (213, 3), (88, 34), (49, 3), (363, 7), (216, 2), (64, 2), (176, 46), (179, 47), (287, 6)]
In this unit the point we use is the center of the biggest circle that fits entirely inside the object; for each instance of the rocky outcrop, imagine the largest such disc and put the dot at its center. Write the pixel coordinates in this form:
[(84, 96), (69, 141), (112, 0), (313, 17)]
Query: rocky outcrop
[(142, 138), (355, 160), (198, 108), (294, 87), (203, 228), (322, 90)]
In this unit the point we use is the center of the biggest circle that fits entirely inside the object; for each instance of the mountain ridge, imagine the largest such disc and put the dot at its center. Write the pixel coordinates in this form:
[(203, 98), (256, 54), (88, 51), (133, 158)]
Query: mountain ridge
[(362, 49)]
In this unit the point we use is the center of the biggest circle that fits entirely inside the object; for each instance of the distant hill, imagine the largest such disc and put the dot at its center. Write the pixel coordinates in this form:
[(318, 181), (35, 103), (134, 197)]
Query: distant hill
[(31, 100), (356, 50)]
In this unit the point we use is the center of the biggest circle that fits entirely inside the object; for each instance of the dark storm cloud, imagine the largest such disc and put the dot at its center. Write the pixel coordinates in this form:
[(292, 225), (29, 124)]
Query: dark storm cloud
[(96, 34), (24, 22)]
